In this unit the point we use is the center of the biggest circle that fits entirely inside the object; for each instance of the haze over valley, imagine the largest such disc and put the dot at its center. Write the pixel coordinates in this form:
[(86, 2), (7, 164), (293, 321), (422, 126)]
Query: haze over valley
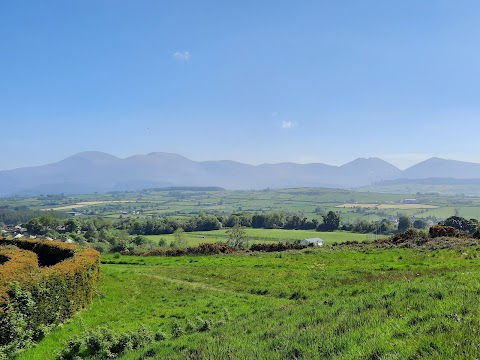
[(88, 172)]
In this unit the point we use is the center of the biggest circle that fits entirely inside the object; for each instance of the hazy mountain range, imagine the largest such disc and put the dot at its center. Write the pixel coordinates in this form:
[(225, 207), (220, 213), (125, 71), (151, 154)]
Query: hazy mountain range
[(88, 172)]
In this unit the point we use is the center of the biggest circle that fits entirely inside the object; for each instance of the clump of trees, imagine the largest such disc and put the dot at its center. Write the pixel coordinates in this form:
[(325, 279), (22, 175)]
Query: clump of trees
[(22, 214), (461, 224), (331, 222)]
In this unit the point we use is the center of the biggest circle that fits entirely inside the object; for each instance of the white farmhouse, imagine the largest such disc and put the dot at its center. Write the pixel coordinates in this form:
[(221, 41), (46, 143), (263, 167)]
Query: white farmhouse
[(312, 242)]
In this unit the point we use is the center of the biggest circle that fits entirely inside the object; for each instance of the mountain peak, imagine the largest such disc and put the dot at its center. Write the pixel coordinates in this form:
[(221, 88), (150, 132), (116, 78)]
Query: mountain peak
[(94, 156), (442, 168), (371, 162)]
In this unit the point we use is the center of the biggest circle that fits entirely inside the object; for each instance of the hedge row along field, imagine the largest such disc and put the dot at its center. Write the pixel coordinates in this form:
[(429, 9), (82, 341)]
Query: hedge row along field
[(42, 284)]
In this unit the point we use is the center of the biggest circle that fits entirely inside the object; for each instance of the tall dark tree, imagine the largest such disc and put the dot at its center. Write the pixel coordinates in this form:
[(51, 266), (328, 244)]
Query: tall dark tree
[(419, 224), (404, 223), (331, 221), (72, 225)]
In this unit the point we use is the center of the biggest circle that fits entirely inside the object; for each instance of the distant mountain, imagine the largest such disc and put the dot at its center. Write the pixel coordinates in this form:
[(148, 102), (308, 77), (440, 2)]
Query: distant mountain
[(441, 168), (91, 171)]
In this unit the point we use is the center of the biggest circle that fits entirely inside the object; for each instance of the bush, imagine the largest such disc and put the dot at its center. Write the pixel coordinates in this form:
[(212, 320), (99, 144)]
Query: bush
[(33, 298), (103, 343), (277, 247), (202, 249), (442, 231)]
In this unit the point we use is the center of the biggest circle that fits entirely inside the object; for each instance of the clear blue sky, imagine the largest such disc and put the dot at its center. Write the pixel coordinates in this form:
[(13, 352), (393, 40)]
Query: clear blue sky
[(252, 81)]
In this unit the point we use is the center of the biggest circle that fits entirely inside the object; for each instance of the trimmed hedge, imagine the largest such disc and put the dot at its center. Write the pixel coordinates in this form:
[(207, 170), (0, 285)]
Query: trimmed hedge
[(41, 285), (17, 262)]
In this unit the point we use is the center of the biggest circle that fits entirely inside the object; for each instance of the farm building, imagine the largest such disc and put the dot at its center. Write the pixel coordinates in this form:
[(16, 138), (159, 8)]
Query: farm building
[(312, 242)]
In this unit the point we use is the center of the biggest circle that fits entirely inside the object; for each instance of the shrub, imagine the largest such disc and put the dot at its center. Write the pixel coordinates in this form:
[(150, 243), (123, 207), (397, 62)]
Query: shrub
[(177, 329), (442, 231), (41, 285), (277, 247), (103, 343), (202, 249)]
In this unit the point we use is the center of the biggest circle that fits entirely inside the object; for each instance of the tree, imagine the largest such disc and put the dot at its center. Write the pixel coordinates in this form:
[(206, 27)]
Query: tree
[(237, 236), (140, 240), (419, 224), (331, 221), (461, 224), (72, 225), (258, 221), (385, 226), (34, 227), (162, 242), (180, 240), (404, 223), (91, 234)]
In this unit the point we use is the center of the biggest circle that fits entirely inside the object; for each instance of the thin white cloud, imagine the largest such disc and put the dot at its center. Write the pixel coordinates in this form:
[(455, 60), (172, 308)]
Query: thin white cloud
[(288, 125), (182, 55), (274, 114)]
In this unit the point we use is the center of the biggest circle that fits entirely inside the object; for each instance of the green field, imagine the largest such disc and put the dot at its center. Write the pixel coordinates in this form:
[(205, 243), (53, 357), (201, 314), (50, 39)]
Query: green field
[(311, 202), (310, 304), (265, 235)]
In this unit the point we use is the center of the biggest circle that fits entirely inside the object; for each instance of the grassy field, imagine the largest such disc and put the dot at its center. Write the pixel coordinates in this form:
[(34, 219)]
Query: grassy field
[(265, 235), (82, 204), (310, 304), (311, 202)]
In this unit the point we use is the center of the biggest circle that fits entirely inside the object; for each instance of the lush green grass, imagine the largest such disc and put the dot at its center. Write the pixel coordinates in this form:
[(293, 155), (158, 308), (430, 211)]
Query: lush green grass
[(265, 235), (312, 304)]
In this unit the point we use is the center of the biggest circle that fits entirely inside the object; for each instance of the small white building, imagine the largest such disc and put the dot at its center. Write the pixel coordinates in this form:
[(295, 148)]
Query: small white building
[(312, 242), (410, 201)]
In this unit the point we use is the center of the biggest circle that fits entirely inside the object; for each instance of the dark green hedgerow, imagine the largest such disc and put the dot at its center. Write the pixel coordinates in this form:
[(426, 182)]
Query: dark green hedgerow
[(34, 298)]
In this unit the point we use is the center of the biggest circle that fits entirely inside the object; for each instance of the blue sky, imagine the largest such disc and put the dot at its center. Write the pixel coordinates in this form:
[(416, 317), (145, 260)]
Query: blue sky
[(252, 81)]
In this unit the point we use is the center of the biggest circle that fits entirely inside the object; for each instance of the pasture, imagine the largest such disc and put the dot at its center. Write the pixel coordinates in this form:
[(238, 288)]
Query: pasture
[(82, 204), (328, 302), (264, 235), (310, 202)]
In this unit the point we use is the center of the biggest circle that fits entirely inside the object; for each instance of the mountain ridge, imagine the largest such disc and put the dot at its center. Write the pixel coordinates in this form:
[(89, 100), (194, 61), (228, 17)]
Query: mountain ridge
[(98, 171)]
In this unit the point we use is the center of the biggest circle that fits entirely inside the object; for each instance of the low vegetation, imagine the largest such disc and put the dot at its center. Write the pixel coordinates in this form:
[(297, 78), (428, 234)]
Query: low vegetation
[(42, 284), (360, 301)]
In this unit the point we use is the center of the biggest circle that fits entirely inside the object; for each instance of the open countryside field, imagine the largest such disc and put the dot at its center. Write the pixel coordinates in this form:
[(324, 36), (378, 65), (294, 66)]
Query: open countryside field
[(311, 202), (265, 235), (311, 304), (88, 203)]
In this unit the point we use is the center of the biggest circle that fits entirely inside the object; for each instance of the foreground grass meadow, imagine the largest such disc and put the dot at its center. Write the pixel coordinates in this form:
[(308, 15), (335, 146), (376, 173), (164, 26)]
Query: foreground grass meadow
[(330, 302)]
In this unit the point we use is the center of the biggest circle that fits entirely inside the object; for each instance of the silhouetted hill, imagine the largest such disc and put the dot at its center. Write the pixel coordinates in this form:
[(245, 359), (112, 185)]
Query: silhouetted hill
[(91, 171), (96, 171), (441, 168)]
